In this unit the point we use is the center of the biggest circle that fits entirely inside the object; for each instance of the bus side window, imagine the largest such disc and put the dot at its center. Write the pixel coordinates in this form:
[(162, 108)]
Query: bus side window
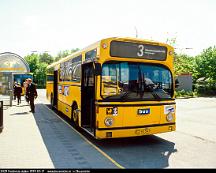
[(67, 75), (62, 72), (77, 73)]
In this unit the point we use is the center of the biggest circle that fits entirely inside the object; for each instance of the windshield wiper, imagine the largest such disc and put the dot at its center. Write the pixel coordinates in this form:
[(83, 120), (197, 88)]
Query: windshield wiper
[(153, 90), (155, 95), (124, 95), (121, 95)]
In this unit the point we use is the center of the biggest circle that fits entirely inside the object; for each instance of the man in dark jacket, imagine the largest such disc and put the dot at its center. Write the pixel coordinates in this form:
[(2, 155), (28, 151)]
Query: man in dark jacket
[(18, 91), (31, 93), (14, 90)]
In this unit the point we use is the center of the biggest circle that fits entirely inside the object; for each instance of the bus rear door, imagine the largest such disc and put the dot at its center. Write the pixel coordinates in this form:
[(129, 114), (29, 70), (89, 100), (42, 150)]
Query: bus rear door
[(54, 98)]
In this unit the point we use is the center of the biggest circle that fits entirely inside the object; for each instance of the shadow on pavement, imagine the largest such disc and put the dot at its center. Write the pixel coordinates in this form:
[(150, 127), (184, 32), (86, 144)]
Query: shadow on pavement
[(23, 105), (19, 113), (65, 147), (137, 152)]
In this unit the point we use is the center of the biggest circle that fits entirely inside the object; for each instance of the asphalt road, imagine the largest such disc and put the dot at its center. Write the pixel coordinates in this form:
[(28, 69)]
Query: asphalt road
[(192, 145)]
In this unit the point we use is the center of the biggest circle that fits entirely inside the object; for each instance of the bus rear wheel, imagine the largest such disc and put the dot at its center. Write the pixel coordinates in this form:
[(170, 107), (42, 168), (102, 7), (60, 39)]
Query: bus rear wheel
[(74, 116)]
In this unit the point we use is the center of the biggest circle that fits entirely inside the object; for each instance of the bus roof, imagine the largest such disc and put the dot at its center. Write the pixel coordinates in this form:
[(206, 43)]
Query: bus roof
[(92, 46)]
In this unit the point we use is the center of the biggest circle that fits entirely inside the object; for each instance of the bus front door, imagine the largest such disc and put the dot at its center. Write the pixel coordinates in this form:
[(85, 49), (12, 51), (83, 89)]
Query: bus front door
[(55, 89), (88, 98)]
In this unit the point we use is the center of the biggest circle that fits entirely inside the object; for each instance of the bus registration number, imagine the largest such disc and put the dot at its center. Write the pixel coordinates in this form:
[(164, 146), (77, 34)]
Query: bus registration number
[(144, 131)]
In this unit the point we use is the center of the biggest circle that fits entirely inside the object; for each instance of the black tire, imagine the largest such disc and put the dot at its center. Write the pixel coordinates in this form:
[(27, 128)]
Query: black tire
[(74, 115)]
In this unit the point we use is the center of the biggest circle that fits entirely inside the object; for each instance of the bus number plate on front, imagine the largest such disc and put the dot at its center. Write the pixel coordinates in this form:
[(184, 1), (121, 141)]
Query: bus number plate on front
[(144, 131), (143, 111)]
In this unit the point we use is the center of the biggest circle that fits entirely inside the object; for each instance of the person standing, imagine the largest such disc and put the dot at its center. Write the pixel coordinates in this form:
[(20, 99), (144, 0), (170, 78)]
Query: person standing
[(14, 90), (31, 93), (25, 84), (18, 91)]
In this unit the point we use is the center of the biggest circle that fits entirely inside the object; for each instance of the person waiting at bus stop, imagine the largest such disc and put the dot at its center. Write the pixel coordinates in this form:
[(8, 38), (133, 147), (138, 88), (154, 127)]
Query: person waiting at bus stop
[(18, 92), (25, 85), (14, 88), (31, 93)]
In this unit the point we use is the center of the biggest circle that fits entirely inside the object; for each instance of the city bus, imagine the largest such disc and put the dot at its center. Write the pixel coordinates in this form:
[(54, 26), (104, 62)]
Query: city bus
[(116, 87), (20, 78)]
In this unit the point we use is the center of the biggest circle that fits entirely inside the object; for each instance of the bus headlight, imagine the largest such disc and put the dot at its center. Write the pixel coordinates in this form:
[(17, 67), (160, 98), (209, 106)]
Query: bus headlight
[(169, 116), (108, 121)]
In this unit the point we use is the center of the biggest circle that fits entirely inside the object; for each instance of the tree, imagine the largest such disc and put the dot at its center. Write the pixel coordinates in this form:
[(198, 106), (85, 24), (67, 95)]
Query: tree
[(37, 68), (46, 58), (206, 72), (206, 64), (33, 61), (40, 75), (65, 53), (184, 64), (38, 64)]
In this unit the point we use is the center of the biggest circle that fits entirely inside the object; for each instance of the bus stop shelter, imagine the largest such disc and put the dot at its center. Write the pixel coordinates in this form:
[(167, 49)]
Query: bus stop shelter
[(10, 63)]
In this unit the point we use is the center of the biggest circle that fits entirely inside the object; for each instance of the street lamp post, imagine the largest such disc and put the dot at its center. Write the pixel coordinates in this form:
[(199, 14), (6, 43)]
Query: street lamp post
[(136, 31)]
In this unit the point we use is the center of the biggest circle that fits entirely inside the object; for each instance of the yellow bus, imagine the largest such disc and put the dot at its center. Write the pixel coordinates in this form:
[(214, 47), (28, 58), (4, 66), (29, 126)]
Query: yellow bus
[(116, 87)]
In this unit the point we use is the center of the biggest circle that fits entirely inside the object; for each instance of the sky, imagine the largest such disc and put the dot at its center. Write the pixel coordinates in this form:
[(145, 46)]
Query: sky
[(56, 25)]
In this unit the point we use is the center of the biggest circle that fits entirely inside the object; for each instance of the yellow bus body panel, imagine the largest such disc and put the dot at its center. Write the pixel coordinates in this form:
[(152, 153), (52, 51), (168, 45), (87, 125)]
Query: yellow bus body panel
[(122, 133), (49, 90), (65, 101), (127, 120), (127, 116)]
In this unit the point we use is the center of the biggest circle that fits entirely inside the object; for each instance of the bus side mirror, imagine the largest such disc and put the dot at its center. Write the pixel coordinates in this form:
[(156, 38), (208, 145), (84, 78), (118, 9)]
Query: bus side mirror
[(98, 69), (176, 83)]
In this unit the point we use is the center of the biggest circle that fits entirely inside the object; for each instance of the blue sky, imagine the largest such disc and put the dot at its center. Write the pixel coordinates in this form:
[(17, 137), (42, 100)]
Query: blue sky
[(54, 25)]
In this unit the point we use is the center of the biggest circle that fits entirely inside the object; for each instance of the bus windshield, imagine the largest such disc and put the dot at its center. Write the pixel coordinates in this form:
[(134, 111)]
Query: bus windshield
[(135, 81)]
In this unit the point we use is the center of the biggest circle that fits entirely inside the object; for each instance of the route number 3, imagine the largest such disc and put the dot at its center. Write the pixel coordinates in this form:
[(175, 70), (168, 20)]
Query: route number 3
[(140, 50)]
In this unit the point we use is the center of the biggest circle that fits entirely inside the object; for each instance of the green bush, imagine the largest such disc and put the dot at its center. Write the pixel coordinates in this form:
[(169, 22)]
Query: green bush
[(184, 93), (206, 88)]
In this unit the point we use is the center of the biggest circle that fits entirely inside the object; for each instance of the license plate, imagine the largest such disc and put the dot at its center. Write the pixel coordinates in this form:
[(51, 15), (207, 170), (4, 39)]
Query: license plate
[(144, 131), (143, 111)]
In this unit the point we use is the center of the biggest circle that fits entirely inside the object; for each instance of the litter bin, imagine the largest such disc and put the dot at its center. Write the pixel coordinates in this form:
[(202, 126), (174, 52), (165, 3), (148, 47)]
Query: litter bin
[(1, 116)]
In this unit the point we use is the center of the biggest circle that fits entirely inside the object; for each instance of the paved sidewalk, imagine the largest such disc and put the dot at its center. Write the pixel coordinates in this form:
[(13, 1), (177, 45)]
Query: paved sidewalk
[(42, 140), (21, 144), (6, 99)]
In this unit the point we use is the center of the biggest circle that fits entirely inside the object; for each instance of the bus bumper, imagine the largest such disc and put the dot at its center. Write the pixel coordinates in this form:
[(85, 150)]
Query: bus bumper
[(132, 132)]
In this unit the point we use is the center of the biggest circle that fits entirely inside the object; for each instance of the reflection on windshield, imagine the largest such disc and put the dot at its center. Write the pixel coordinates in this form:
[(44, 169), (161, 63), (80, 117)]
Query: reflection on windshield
[(135, 81)]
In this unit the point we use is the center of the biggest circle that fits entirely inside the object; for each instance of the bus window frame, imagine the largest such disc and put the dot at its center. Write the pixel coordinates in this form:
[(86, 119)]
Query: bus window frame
[(119, 100), (71, 64)]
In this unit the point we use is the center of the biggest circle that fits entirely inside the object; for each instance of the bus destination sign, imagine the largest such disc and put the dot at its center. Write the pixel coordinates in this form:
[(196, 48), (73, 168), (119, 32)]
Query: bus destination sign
[(137, 50)]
